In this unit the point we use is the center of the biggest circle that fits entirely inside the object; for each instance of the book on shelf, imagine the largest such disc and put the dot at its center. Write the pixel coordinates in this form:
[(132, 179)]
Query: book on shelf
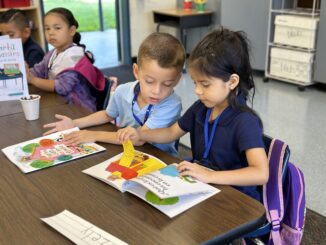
[(150, 179), (47, 151)]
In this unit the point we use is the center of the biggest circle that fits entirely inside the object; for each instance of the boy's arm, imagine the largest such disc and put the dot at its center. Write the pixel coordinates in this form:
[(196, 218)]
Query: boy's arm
[(93, 119), (160, 135)]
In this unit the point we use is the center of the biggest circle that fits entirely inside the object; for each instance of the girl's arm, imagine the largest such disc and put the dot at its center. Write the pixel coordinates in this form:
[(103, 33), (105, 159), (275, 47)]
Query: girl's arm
[(144, 134), (44, 84), (256, 173)]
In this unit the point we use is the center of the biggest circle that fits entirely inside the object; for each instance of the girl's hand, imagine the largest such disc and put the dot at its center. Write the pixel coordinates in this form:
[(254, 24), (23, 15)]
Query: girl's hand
[(63, 124), (128, 133), (195, 170), (78, 137)]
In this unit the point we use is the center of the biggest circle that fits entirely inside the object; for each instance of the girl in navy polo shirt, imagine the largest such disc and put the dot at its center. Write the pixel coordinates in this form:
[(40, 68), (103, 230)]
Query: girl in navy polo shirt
[(226, 134)]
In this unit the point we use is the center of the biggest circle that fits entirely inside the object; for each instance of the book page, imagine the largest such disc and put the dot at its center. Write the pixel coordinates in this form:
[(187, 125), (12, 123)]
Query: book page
[(79, 230), (48, 151), (167, 182), (170, 206), (118, 176), (13, 82)]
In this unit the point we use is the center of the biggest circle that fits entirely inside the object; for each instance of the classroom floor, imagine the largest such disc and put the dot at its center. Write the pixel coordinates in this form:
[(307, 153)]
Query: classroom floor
[(298, 118)]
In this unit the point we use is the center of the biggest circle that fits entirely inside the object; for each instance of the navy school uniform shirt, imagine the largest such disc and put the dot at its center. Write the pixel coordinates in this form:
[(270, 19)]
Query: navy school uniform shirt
[(33, 53), (235, 133)]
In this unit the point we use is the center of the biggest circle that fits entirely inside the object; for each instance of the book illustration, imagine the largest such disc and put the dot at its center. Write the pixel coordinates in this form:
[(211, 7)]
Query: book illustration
[(171, 171), (152, 180), (11, 69), (141, 164), (47, 151)]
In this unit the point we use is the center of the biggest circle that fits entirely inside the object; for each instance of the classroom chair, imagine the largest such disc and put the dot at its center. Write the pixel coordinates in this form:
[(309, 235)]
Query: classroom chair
[(103, 97)]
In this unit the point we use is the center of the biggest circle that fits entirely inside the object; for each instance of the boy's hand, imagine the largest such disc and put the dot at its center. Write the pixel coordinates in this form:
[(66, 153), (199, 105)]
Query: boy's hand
[(63, 124), (29, 75), (195, 171), (78, 137), (128, 133)]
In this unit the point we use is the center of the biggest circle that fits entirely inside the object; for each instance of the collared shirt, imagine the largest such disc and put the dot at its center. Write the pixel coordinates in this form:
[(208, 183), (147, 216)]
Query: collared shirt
[(235, 133), (162, 115), (63, 60), (33, 53)]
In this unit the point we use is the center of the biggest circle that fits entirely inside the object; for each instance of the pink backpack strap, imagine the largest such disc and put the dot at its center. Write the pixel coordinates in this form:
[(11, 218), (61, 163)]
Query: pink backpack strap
[(272, 190), (90, 72)]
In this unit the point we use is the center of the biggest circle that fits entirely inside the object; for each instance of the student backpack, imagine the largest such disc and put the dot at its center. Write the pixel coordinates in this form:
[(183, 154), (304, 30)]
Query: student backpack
[(283, 198)]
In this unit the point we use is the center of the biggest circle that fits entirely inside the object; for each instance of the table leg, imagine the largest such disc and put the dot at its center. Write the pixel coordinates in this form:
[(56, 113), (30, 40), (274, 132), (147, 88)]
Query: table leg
[(183, 37)]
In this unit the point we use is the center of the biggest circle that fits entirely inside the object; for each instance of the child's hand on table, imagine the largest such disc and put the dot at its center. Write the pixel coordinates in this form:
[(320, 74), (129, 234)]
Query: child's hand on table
[(63, 124)]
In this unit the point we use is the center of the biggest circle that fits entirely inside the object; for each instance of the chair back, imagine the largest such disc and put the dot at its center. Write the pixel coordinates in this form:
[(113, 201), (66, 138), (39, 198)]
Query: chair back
[(103, 97)]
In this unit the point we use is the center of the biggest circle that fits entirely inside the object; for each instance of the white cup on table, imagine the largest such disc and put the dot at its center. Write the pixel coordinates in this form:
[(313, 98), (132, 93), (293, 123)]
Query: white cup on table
[(31, 106)]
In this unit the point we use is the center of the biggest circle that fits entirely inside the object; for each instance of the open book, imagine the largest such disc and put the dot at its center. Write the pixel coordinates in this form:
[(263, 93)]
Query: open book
[(47, 151), (153, 181)]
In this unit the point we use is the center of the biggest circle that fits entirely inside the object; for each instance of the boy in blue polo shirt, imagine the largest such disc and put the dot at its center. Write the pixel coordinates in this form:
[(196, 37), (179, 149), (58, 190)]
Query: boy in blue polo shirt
[(148, 103), (226, 134)]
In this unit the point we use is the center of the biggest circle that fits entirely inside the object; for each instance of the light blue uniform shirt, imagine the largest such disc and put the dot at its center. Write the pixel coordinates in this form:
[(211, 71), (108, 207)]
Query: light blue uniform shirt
[(162, 115)]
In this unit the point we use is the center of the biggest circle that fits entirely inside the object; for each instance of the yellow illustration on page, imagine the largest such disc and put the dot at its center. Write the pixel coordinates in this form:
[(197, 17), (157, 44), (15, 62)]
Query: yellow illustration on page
[(128, 154)]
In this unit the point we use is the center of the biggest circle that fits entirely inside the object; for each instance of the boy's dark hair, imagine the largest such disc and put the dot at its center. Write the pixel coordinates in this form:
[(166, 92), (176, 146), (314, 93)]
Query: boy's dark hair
[(69, 18), (222, 53), (164, 48), (16, 16)]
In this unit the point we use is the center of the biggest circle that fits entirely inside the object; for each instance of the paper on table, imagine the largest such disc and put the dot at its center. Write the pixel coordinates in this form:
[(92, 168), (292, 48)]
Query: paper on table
[(79, 230)]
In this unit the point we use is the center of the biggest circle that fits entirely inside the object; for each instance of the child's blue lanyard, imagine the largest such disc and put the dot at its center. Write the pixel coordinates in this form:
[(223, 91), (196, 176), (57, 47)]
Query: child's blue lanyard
[(148, 111), (208, 142)]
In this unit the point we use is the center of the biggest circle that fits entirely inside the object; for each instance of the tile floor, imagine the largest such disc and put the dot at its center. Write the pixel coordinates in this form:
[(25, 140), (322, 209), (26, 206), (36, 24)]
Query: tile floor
[(298, 118)]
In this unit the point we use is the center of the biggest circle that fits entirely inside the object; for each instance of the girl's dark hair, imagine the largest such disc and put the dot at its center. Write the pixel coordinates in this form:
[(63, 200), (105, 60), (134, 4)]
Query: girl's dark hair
[(69, 18), (222, 53)]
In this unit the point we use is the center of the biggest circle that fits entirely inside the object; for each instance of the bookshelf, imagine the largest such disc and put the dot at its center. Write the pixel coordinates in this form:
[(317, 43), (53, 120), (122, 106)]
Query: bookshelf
[(33, 13)]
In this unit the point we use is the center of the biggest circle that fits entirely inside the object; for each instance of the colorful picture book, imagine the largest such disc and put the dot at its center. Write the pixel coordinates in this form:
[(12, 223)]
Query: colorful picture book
[(48, 151), (152, 180), (13, 82)]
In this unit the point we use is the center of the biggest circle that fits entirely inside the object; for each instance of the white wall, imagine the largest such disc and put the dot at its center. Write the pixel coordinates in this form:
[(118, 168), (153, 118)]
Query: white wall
[(142, 21)]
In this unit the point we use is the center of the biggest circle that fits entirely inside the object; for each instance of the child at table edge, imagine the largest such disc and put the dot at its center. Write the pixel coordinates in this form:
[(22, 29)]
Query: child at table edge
[(226, 134), (150, 102), (68, 69), (15, 24)]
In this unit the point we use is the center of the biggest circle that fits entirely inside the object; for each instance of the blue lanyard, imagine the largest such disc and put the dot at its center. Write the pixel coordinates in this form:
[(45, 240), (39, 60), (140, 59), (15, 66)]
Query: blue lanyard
[(208, 142), (148, 111)]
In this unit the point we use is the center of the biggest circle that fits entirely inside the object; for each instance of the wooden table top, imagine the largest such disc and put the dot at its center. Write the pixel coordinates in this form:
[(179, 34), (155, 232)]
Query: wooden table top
[(47, 100), (25, 198)]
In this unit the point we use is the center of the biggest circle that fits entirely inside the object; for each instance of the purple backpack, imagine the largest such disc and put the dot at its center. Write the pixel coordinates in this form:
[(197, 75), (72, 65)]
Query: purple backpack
[(284, 199)]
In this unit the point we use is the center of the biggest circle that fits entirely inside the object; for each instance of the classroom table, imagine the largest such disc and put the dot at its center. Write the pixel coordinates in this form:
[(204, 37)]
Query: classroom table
[(25, 198), (47, 100), (182, 19)]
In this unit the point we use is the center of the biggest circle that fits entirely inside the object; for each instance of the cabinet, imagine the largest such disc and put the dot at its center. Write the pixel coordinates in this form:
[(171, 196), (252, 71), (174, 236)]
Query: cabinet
[(320, 71), (33, 13), (291, 42)]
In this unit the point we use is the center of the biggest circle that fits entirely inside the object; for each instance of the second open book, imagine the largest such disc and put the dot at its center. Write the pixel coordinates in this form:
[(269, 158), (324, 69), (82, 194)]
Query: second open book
[(152, 180)]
